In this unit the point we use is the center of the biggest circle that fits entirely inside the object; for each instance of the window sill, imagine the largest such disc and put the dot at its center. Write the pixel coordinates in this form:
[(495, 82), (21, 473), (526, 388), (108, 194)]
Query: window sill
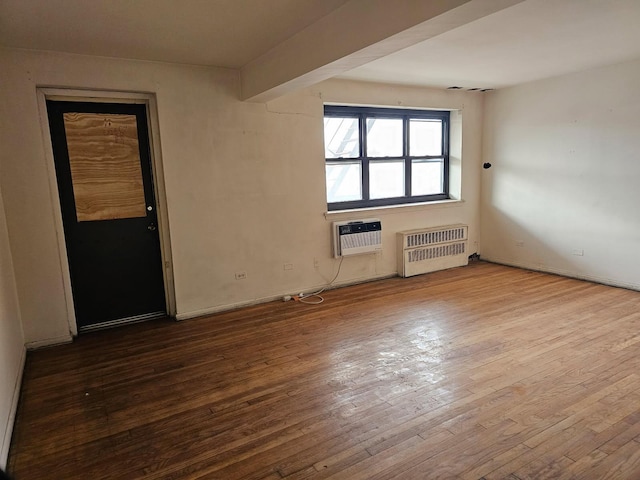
[(405, 207)]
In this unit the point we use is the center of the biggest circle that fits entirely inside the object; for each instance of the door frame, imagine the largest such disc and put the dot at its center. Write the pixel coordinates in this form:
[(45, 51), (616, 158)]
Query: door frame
[(99, 96)]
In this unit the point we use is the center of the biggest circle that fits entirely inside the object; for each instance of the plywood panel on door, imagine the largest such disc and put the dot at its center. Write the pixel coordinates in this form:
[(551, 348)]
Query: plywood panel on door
[(105, 166)]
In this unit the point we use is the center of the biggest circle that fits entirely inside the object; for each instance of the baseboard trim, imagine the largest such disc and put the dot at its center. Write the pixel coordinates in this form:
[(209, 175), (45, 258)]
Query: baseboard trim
[(233, 306), (6, 441), (49, 342), (563, 273)]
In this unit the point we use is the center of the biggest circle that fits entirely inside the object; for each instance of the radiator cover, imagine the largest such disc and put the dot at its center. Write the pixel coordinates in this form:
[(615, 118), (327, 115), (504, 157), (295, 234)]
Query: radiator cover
[(430, 249)]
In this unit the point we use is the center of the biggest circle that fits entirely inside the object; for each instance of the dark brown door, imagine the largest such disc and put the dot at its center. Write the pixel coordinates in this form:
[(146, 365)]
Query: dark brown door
[(103, 168)]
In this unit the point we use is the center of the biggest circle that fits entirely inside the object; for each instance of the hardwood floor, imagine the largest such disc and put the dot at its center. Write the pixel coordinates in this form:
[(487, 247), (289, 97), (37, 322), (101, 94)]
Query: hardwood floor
[(483, 371)]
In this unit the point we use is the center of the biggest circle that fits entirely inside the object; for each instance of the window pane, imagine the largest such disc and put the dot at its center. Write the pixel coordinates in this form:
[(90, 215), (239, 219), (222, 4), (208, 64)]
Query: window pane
[(427, 177), (341, 137), (425, 137), (384, 137), (386, 179), (344, 181)]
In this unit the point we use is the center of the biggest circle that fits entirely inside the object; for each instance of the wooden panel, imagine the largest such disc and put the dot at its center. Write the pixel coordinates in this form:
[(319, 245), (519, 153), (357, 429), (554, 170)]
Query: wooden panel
[(105, 166), (478, 372)]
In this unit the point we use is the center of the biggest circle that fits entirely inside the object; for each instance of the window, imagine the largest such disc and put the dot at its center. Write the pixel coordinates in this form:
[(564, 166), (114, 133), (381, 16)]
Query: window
[(380, 156)]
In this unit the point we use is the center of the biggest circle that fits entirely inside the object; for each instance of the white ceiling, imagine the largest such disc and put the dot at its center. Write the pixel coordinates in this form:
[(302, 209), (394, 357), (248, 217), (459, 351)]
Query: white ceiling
[(528, 41), (224, 33)]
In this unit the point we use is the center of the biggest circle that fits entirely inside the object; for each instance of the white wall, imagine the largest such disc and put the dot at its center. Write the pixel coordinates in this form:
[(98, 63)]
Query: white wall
[(245, 182), (11, 341), (565, 176)]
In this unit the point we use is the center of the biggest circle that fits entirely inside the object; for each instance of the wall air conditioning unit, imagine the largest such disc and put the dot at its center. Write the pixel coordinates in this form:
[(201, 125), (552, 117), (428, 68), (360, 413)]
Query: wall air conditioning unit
[(357, 237), (431, 249)]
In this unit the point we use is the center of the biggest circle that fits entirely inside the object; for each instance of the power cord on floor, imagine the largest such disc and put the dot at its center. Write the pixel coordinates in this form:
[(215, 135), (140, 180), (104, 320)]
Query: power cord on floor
[(302, 298)]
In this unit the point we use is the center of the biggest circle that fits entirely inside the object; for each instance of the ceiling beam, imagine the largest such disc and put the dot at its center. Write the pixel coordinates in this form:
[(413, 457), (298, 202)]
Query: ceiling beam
[(358, 32)]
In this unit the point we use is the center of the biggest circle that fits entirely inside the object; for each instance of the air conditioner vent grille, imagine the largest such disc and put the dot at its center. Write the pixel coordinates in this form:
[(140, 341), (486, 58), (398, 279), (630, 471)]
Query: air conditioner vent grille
[(364, 239)]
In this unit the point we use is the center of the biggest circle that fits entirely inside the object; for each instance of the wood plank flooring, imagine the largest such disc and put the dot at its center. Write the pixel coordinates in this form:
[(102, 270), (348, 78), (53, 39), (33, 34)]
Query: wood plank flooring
[(481, 372)]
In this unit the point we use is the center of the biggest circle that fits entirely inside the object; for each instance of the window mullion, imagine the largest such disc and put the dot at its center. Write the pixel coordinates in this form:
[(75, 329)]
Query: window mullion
[(407, 162), (365, 179), (363, 157), (445, 158)]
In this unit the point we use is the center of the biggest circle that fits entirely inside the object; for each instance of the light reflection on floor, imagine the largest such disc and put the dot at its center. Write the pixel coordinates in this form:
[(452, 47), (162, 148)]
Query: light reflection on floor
[(399, 362)]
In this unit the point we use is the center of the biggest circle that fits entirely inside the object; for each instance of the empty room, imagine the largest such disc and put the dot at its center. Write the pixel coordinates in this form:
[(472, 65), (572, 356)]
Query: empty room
[(319, 239)]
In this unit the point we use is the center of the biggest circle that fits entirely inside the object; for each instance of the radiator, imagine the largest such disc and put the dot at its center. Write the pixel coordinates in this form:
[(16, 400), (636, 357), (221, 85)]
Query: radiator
[(357, 237), (431, 249)]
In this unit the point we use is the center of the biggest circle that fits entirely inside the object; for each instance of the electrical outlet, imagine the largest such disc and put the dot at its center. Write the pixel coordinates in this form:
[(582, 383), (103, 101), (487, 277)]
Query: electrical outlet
[(288, 266), (577, 252), (519, 243), (316, 263), (241, 275)]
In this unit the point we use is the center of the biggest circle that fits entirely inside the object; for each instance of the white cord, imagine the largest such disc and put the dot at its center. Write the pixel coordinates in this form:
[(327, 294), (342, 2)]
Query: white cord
[(320, 299)]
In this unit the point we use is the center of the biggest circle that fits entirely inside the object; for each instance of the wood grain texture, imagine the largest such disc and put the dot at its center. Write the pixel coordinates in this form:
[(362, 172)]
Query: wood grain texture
[(105, 166), (478, 372)]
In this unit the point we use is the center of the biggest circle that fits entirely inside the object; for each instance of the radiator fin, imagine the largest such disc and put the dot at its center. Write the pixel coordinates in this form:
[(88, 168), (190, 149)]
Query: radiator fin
[(427, 253), (438, 236)]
